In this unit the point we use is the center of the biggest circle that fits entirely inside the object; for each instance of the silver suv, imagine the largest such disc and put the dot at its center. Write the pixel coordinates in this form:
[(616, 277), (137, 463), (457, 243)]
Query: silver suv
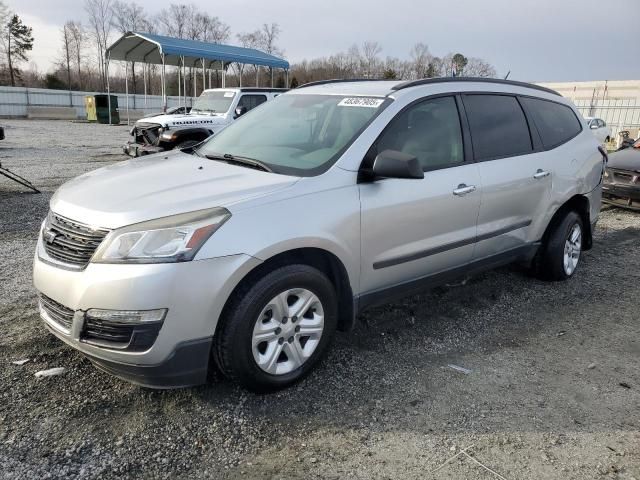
[(250, 250)]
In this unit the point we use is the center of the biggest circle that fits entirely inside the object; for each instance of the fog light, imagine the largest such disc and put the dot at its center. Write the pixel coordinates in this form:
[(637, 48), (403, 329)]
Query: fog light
[(128, 316), (134, 330)]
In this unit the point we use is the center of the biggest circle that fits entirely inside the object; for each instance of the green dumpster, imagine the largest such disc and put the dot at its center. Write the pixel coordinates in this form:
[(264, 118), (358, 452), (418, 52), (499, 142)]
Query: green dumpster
[(102, 110)]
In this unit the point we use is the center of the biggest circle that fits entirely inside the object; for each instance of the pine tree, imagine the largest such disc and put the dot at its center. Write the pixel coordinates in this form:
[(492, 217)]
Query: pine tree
[(17, 41)]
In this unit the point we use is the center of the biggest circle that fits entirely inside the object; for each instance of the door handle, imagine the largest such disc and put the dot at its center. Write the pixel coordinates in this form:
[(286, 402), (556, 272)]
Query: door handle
[(541, 174), (463, 189)]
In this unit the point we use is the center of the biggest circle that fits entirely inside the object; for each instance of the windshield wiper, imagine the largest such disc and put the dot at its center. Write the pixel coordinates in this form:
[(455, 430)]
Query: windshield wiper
[(244, 161)]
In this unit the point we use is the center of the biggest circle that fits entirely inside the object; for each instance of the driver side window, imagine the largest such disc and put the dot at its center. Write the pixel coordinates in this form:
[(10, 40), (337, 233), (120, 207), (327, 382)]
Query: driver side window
[(430, 131)]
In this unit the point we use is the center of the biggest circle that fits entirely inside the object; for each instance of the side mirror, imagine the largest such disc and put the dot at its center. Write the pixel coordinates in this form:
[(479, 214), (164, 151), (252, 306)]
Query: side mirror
[(394, 164), (240, 111)]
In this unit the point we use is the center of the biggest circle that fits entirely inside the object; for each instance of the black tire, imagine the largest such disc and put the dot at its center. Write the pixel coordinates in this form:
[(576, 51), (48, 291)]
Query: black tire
[(232, 349), (551, 261)]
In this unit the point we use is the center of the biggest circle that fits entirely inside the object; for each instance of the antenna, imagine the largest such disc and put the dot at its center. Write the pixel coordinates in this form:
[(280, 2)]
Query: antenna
[(507, 75)]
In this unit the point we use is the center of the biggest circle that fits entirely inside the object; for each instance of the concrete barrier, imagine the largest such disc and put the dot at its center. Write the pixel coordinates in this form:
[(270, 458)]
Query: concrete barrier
[(52, 113)]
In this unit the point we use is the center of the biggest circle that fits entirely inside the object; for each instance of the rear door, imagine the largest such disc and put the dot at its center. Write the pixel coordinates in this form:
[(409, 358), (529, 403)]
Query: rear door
[(515, 175), (412, 228)]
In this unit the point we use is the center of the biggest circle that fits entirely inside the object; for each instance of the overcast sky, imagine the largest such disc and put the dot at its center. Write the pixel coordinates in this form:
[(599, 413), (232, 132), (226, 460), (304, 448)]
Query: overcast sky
[(538, 40)]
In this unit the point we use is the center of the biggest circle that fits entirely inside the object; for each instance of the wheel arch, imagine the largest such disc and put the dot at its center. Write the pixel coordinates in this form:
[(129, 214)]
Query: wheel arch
[(325, 261), (579, 204), (196, 133)]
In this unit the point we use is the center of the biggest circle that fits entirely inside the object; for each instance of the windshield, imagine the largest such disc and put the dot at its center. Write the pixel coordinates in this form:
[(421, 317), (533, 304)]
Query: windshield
[(215, 102), (296, 134)]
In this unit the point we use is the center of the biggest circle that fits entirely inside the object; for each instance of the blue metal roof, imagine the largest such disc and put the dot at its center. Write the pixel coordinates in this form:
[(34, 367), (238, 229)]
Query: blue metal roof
[(149, 48)]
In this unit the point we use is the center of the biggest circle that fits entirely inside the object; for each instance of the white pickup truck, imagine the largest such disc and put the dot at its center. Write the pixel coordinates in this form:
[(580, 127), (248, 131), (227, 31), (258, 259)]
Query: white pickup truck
[(213, 110)]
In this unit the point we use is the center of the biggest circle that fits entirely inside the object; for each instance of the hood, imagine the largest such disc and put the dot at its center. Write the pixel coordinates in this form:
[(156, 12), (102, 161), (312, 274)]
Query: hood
[(627, 159), (185, 119), (160, 185)]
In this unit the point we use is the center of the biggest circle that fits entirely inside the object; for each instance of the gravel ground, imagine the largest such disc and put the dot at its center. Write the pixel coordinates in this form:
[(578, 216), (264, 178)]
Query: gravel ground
[(553, 391)]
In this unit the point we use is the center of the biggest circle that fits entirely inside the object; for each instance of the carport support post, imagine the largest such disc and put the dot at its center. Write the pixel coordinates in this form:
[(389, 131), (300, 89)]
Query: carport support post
[(144, 78), (164, 87), (271, 70), (257, 76), (184, 83), (108, 89), (286, 83), (204, 78), (126, 87), (195, 80), (179, 81)]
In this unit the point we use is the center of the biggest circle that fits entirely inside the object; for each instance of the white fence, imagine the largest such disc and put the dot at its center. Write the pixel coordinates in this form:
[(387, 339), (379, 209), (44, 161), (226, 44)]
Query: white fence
[(14, 101), (620, 114)]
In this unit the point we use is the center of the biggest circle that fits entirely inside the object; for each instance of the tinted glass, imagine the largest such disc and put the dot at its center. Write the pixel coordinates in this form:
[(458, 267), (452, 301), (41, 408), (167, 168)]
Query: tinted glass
[(498, 126), (556, 123), (429, 131), (296, 134), (251, 101)]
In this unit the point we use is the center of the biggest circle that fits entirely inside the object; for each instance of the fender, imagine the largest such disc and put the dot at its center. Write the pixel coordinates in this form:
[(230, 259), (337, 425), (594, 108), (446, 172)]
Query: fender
[(171, 138)]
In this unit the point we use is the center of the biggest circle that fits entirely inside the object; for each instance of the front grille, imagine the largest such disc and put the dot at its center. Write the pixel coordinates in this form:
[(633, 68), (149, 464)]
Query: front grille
[(121, 336), (56, 312), (146, 133), (70, 242)]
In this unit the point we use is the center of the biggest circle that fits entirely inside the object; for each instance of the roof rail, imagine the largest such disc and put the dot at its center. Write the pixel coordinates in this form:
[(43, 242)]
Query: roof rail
[(338, 80), (428, 81)]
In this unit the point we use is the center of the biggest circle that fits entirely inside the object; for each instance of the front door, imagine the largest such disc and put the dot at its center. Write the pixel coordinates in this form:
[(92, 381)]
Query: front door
[(415, 228)]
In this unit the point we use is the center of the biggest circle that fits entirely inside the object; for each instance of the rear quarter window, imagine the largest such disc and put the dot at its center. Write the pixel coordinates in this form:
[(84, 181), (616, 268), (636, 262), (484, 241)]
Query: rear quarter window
[(556, 123)]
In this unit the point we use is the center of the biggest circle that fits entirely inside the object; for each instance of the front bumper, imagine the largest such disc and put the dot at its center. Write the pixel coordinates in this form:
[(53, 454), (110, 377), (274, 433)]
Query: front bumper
[(138, 149), (626, 196), (193, 292)]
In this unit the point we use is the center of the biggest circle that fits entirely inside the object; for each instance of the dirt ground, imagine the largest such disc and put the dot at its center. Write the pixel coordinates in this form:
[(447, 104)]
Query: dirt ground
[(552, 392)]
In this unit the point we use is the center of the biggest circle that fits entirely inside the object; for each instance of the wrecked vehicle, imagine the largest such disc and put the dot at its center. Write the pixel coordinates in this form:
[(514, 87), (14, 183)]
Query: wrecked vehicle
[(211, 112), (621, 183), (246, 255)]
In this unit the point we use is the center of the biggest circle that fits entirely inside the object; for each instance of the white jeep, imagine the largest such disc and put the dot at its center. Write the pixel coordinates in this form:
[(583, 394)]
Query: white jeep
[(213, 110)]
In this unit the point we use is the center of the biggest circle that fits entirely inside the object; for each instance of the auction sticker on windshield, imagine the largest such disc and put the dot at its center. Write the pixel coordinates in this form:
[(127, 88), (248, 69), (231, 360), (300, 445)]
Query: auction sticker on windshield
[(361, 102)]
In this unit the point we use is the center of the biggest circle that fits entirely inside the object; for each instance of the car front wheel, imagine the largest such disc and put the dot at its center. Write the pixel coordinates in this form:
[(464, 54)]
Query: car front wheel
[(277, 328)]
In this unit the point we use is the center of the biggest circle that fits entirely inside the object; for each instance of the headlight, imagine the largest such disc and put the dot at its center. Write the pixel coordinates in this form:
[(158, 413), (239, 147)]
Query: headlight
[(166, 240)]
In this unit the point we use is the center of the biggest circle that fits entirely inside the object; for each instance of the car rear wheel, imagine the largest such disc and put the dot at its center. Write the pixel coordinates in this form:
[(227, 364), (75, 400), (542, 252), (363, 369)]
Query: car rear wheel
[(275, 330), (563, 249)]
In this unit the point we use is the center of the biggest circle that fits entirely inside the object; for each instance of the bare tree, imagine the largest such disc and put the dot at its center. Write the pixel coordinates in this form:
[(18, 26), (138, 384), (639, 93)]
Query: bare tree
[(370, 52), (422, 59), (129, 17), (101, 19), (476, 67), (78, 43), (212, 29), (177, 20), (248, 40), (67, 50)]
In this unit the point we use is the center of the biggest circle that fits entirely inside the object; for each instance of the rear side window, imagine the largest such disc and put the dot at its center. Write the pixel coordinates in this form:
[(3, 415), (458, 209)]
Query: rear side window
[(498, 126), (251, 101), (555, 122)]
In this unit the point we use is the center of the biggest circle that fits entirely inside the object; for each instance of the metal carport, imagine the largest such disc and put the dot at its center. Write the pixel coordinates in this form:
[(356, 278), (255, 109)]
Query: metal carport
[(155, 49)]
